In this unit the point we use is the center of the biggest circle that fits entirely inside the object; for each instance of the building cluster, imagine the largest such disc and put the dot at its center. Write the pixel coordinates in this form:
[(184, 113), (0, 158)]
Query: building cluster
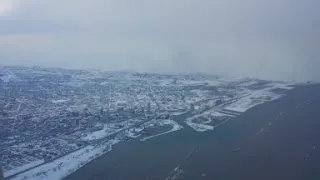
[(47, 113)]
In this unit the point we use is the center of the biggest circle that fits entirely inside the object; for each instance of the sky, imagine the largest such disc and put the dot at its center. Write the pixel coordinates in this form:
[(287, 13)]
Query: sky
[(269, 39)]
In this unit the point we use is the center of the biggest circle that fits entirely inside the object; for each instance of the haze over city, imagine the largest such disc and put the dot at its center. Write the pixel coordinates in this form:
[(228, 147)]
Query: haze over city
[(275, 39)]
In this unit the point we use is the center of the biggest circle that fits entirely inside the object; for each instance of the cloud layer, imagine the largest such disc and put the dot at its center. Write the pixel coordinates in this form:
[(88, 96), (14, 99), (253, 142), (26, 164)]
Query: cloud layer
[(274, 39)]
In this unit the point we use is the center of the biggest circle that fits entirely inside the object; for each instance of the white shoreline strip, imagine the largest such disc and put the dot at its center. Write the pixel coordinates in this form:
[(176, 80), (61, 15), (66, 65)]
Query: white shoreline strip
[(64, 166)]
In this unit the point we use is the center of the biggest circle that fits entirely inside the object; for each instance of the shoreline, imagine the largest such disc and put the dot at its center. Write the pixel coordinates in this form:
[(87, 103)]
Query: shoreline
[(97, 154), (128, 157)]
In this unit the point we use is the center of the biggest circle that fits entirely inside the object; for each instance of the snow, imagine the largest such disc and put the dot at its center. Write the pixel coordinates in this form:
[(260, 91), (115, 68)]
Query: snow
[(104, 132), (218, 114), (7, 77), (214, 83), (104, 83), (202, 127), (64, 166), (191, 82), (199, 127), (97, 134), (208, 120), (175, 127), (286, 86), (165, 82), (243, 104), (59, 101), (108, 129), (254, 98), (131, 133), (178, 113), (138, 129), (22, 168), (212, 112)]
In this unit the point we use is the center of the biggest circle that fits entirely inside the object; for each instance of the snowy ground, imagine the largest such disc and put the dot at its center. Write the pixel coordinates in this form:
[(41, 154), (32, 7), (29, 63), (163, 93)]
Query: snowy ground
[(7, 77), (255, 98), (244, 104), (59, 101), (211, 112), (107, 130), (62, 167), (287, 86), (178, 113), (202, 127), (199, 127), (175, 127), (104, 132), (134, 132), (22, 168)]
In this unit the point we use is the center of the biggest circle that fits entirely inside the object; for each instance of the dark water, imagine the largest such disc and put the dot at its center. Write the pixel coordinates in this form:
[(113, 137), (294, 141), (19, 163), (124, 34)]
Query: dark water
[(232, 151)]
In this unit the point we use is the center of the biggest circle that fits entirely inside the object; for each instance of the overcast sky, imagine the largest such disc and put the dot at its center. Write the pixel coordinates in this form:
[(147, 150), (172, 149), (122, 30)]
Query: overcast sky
[(272, 39)]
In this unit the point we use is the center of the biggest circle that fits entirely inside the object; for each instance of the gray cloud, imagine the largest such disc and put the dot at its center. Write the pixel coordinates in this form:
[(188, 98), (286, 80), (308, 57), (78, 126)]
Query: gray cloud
[(274, 39)]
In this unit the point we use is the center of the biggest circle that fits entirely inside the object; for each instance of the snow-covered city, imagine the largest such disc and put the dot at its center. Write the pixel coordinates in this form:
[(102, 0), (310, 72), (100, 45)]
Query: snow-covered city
[(55, 121)]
